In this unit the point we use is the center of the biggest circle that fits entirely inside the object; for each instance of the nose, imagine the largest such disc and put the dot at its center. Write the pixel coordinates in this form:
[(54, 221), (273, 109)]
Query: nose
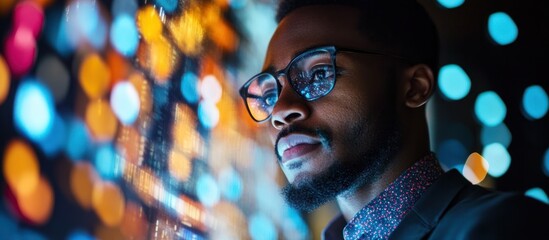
[(289, 108)]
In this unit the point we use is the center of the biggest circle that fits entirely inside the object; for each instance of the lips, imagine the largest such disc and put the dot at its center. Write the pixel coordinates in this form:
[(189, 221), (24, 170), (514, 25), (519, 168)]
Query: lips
[(295, 145)]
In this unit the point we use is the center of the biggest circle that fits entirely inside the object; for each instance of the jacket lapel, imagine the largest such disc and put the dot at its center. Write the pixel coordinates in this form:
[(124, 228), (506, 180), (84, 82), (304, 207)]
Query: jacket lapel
[(428, 210)]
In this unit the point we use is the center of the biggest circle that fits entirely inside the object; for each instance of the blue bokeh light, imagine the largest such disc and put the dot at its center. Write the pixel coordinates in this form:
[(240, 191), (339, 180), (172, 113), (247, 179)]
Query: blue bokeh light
[(124, 35), (78, 139), (56, 139), (452, 153), (80, 235), (490, 109), (502, 28), (498, 159), (231, 184), (450, 3), (128, 7), (261, 227), (497, 134), (535, 102), (85, 23), (125, 102), (238, 4), (8, 227), (208, 114), (108, 163), (189, 87), (27, 234), (168, 5), (454, 82), (34, 111), (207, 190), (537, 193), (56, 31)]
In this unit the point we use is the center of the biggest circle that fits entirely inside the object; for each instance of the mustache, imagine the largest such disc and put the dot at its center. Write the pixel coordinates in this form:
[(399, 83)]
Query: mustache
[(315, 132)]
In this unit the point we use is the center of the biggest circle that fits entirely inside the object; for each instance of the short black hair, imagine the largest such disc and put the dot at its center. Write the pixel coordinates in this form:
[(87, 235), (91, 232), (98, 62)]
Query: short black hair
[(400, 25)]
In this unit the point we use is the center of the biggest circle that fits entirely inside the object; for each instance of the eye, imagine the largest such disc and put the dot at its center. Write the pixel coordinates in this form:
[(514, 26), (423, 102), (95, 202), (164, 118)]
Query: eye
[(270, 98), (321, 73)]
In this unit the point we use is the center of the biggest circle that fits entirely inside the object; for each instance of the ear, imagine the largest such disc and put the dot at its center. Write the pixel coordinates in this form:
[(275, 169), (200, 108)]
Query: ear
[(419, 85)]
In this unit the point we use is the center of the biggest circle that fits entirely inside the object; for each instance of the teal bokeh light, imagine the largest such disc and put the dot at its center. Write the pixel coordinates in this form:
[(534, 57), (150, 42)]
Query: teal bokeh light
[(502, 28), (124, 35), (125, 102), (535, 102), (34, 111), (546, 163), (168, 5), (207, 190), (496, 134), (261, 227), (450, 3), (537, 193), (490, 109), (108, 163), (498, 159), (189, 87), (453, 82)]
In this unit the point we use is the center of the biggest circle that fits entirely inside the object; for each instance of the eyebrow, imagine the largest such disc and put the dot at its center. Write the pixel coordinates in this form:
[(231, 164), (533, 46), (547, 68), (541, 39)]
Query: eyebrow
[(272, 69)]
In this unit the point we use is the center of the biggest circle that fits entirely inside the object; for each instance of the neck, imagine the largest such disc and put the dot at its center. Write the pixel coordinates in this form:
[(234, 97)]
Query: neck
[(412, 150)]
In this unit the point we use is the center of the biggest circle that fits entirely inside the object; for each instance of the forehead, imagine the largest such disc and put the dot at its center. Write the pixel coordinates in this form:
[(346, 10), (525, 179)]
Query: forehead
[(312, 26)]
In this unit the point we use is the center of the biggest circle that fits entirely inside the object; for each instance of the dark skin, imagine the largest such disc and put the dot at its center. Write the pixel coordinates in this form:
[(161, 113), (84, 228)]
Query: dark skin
[(358, 100)]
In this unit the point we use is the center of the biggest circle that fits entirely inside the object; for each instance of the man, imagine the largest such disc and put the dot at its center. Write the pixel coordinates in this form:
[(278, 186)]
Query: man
[(343, 91)]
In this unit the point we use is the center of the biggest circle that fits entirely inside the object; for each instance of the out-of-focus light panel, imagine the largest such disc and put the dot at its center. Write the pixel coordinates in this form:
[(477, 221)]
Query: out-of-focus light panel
[(490, 110), (535, 102), (502, 28), (498, 159), (454, 82), (34, 111), (451, 3)]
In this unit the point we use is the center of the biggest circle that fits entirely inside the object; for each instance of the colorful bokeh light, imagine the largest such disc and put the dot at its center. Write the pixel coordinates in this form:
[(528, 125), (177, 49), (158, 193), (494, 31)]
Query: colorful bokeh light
[(149, 23), (108, 202), (20, 168), (38, 212), (4, 79), (537, 193), (20, 51), (535, 102), (53, 73), (475, 168), (189, 87), (207, 190), (502, 28), (450, 3), (34, 110), (101, 121), (124, 35), (454, 82), (490, 110), (498, 159), (108, 163), (497, 134), (29, 15), (94, 76), (82, 179), (125, 102)]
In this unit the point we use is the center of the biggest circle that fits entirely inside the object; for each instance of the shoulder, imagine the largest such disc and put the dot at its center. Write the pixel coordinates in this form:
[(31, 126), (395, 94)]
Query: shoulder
[(493, 215)]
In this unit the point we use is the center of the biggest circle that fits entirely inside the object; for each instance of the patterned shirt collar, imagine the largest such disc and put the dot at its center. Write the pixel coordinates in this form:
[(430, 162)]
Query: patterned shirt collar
[(379, 218)]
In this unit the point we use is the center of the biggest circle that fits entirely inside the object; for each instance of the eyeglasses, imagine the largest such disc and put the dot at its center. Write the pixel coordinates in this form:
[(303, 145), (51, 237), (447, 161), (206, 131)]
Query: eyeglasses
[(312, 75)]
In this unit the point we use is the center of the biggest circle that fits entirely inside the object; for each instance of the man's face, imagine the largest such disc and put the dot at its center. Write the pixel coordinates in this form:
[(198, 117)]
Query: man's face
[(343, 140)]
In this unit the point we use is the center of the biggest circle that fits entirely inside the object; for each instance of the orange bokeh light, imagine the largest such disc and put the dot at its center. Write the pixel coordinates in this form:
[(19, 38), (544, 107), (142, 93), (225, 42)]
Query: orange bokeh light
[(186, 138), (118, 66), (95, 76), (38, 205), (21, 169), (129, 144), (101, 120), (161, 59), (83, 177), (180, 166), (476, 168), (224, 36), (188, 32), (149, 23), (4, 79), (5, 6), (108, 203)]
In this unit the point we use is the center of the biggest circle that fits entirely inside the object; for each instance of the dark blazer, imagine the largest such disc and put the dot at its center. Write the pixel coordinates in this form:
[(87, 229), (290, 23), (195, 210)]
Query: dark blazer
[(453, 208)]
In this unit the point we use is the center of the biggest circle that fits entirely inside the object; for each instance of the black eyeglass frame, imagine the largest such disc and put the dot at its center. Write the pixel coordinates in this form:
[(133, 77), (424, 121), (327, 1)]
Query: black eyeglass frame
[(330, 49)]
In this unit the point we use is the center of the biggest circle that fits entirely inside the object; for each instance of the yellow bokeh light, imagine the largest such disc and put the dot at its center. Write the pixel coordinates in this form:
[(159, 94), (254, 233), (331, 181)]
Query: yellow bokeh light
[(476, 168), (101, 120), (180, 166), (134, 224), (149, 23), (108, 203), (95, 76), (188, 32), (4, 80), (144, 92), (162, 59), (224, 36), (83, 177), (21, 169), (105, 232), (38, 205)]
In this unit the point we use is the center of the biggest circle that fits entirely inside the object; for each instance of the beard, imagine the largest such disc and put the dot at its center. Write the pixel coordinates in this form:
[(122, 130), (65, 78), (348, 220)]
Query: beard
[(375, 146)]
